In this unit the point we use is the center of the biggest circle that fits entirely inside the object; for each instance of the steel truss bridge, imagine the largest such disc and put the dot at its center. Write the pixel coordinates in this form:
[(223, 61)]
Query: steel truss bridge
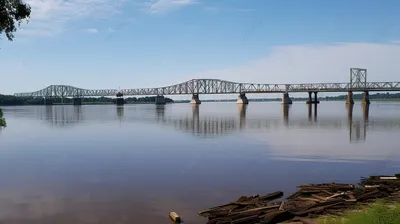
[(358, 82)]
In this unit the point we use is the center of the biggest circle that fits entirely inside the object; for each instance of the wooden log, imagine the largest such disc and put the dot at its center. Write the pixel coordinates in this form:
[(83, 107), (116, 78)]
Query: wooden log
[(371, 186), (335, 195), (243, 215), (245, 219), (219, 213), (219, 221), (308, 199), (386, 188), (327, 192), (351, 196), (242, 199), (175, 217), (316, 209), (221, 207), (256, 209), (281, 207), (367, 195), (272, 196), (318, 197), (329, 202), (388, 178), (297, 193), (276, 217)]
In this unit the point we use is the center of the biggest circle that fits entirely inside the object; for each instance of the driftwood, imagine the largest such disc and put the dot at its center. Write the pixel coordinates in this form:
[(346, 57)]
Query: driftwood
[(309, 199)]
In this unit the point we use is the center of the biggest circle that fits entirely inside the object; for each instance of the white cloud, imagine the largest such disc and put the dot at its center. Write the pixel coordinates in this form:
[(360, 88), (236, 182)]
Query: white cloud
[(49, 17), (315, 63), (160, 6), (92, 30)]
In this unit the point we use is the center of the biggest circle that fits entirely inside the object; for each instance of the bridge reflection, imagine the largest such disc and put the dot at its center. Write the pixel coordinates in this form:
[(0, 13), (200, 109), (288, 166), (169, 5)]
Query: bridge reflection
[(212, 125)]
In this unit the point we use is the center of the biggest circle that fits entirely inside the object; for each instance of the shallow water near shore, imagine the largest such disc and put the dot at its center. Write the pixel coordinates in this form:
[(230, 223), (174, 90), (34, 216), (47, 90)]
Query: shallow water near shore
[(136, 163)]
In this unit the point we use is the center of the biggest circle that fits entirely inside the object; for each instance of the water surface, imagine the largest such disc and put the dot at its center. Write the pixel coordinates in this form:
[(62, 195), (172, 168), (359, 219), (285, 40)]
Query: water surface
[(135, 163)]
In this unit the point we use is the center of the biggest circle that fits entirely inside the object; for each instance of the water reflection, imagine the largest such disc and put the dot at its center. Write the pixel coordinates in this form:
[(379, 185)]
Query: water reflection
[(60, 116), (242, 116), (98, 171), (285, 109), (310, 111), (349, 108), (120, 112), (365, 112), (212, 125)]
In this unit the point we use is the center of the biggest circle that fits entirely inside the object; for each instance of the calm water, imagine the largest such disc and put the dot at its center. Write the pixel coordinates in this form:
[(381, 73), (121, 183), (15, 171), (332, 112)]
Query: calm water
[(134, 164)]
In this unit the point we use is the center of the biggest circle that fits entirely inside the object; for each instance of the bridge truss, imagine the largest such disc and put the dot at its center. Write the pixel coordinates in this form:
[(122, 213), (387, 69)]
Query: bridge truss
[(213, 86), (358, 82)]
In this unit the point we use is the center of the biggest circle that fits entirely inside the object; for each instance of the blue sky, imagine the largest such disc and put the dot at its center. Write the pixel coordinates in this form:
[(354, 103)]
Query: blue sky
[(97, 44)]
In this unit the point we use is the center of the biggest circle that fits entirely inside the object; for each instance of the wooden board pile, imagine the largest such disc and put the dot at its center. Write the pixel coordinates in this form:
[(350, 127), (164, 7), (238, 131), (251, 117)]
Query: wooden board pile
[(309, 200)]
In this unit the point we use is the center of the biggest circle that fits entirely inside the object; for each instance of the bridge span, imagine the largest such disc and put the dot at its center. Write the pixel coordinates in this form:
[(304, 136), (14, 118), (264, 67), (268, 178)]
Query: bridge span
[(358, 83)]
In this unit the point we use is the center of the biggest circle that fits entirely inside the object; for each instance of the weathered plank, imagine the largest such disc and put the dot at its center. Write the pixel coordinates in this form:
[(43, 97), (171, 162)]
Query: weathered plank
[(175, 217)]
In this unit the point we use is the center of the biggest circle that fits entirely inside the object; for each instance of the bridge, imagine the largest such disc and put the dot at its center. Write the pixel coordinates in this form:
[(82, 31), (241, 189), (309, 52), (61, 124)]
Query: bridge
[(358, 83)]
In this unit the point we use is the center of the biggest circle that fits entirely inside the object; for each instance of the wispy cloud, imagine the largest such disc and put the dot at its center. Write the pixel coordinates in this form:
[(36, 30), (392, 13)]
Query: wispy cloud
[(50, 17), (315, 63), (160, 6), (92, 30)]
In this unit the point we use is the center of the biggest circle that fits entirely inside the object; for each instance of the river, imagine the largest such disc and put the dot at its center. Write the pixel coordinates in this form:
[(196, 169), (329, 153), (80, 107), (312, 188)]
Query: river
[(136, 163)]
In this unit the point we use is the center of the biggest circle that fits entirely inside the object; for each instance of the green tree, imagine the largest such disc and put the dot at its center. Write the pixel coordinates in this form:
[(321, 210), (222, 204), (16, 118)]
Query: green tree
[(2, 120), (12, 12)]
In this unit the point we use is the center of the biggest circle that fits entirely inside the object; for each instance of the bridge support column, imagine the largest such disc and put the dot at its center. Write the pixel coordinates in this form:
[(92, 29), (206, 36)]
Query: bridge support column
[(195, 99), (365, 99), (316, 101), (350, 98), (120, 99), (160, 100), (310, 101), (48, 101), (242, 99), (77, 101), (286, 99)]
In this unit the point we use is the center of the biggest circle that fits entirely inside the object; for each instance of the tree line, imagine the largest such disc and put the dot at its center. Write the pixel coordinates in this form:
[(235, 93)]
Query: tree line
[(359, 96), (2, 120), (9, 100)]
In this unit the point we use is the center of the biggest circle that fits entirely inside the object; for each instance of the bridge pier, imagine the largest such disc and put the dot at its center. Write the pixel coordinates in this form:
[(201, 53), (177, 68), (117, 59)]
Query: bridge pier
[(350, 98), (242, 99), (120, 99), (365, 99), (286, 99), (160, 100), (310, 101), (77, 101), (195, 99)]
